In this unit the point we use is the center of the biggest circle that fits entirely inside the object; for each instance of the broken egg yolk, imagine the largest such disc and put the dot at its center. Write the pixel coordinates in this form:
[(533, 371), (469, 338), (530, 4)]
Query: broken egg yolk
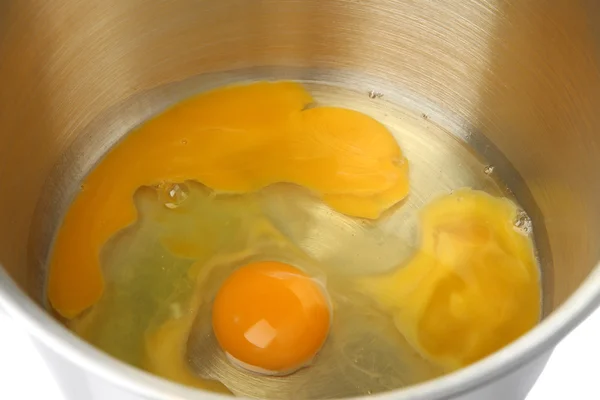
[(473, 285), (270, 317), (236, 139)]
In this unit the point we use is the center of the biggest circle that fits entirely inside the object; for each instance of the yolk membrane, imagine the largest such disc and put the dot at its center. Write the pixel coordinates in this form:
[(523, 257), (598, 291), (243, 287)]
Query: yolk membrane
[(271, 317)]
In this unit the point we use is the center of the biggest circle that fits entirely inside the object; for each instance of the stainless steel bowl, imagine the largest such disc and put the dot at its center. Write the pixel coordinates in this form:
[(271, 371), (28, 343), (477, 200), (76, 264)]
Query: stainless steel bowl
[(519, 80)]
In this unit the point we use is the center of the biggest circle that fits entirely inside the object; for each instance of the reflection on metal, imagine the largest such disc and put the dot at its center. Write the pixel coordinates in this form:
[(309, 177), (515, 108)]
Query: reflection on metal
[(518, 80)]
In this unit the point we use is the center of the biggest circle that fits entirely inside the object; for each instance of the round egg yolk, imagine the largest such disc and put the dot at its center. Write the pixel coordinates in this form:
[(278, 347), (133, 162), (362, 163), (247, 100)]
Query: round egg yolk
[(271, 317)]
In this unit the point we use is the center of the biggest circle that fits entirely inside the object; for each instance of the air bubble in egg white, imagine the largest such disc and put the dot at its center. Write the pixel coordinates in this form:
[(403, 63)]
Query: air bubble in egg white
[(523, 223), (488, 170), (172, 195)]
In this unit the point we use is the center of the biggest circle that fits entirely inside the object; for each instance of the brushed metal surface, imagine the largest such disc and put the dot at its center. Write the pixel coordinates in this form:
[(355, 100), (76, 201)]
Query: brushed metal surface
[(517, 79)]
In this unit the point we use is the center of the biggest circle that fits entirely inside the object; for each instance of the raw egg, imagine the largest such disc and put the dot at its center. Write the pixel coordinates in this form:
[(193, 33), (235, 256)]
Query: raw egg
[(271, 317), (472, 286), (236, 139), (202, 243)]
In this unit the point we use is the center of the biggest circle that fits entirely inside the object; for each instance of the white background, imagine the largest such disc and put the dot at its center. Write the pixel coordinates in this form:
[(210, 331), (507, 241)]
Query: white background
[(571, 374)]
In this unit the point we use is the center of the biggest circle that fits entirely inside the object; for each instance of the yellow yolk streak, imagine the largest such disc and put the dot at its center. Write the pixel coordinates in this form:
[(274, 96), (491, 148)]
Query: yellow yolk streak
[(165, 347), (472, 287), (236, 139)]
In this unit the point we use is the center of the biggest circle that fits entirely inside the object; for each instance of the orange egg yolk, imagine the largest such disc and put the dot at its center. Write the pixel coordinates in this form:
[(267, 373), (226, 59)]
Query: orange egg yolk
[(236, 139), (271, 317)]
